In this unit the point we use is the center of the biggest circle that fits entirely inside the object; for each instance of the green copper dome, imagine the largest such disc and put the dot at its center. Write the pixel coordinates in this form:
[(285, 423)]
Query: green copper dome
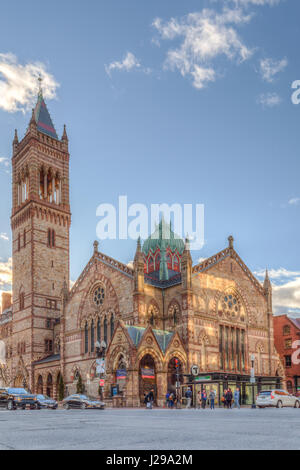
[(162, 238)]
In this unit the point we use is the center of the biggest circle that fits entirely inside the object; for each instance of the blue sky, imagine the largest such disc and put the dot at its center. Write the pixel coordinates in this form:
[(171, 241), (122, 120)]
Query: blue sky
[(172, 101)]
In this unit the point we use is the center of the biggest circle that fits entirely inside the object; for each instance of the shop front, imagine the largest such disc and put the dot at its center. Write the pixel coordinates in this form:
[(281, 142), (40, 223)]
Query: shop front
[(220, 383)]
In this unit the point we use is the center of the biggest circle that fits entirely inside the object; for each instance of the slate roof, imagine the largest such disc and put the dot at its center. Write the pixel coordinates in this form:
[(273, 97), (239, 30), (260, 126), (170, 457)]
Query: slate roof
[(43, 118), (162, 337), (54, 357)]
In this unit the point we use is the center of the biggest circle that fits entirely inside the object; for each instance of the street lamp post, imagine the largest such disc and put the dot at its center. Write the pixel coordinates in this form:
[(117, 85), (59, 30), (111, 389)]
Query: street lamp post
[(100, 353), (252, 380)]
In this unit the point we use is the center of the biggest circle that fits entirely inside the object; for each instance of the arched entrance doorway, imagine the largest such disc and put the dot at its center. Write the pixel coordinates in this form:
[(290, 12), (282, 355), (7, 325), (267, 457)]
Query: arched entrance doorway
[(121, 373), (147, 377), (175, 374), (39, 386), (50, 386), (19, 381)]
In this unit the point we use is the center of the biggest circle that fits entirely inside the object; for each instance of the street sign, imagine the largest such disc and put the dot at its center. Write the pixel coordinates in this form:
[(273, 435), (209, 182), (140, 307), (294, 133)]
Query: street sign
[(252, 380), (100, 370), (252, 371), (204, 378), (194, 370), (101, 382)]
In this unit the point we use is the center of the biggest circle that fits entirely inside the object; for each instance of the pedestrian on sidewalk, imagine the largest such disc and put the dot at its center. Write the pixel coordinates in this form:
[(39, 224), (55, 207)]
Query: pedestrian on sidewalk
[(188, 396), (228, 398), (203, 399), (236, 397), (212, 397), (150, 399)]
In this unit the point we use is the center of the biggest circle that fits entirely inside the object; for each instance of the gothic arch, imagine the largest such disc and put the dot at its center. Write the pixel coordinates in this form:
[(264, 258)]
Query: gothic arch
[(174, 313), (152, 315), (157, 357)]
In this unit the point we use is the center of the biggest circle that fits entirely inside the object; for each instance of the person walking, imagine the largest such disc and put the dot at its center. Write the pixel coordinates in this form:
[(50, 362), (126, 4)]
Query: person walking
[(203, 399), (168, 399), (223, 399), (212, 397), (236, 397), (228, 398), (188, 396), (150, 399), (171, 400)]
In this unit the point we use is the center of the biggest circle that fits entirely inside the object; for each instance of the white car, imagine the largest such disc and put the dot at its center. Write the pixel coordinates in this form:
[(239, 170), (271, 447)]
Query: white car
[(278, 398)]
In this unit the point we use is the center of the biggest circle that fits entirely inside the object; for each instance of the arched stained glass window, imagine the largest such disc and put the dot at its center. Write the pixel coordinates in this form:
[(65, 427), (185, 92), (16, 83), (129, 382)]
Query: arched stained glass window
[(92, 337), (99, 330), (86, 338), (105, 330), (112, 326)]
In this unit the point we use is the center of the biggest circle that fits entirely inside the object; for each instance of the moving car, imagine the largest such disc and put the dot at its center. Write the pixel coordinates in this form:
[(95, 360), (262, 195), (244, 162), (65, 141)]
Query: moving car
[(278, 398), (46, 402), (83, 402), (13, 398)]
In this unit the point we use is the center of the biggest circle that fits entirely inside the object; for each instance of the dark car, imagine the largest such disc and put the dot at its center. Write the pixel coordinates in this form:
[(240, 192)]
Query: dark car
[(82, 401), (46, 402), (13, 398)]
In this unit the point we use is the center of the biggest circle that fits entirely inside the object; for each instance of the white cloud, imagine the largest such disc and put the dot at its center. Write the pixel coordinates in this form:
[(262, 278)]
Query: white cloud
[(130, 264), (286, 290), (130, 62), (19, 83), (5, 273), (251, 2), (269, 100), (205, 35), (294, 201), (4, 161), (269, 68), (4, 236)]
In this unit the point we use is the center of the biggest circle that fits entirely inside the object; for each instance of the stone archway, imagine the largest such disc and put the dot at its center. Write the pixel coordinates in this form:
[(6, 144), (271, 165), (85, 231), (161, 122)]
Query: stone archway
[(49, 386), (39, 385), (147, 376)]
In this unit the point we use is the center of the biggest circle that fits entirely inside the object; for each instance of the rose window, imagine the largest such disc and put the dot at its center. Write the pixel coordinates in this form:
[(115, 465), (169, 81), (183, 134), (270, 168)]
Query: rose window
[(231, 305), (99, 296)]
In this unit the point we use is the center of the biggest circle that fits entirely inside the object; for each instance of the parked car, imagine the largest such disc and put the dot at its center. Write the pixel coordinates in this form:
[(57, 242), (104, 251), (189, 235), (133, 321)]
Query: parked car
[(278, 398), (83, 402), (13, 398), (46, 402)]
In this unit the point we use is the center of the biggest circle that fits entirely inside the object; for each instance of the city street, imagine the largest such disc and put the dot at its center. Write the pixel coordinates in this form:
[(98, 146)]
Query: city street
[(157, 429)]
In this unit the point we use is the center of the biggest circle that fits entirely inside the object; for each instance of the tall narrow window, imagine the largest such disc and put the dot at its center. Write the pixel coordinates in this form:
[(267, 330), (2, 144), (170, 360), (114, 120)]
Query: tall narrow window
[(238, 355), (92, 337), (243, 350), (86, 338), (53, 238), (105, 330), (112, 326), (24, 236), (221, 347), (232, 349), (227, 346), (99, 330), (19, 242)]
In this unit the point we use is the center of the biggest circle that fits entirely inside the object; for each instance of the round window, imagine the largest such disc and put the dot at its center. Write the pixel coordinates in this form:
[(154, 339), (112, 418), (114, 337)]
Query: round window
[(231, 305), (98, 296)]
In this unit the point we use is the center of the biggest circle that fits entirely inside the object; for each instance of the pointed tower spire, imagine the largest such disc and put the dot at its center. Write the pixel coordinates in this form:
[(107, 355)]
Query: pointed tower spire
[(65, 135), (15, 142), (138, 267), (267, 282), (42, 116)]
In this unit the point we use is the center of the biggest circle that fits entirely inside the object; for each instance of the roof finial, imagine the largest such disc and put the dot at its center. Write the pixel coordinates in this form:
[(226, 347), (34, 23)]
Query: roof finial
[(96, 245), (40, 80), (231, 240), (65, 135)]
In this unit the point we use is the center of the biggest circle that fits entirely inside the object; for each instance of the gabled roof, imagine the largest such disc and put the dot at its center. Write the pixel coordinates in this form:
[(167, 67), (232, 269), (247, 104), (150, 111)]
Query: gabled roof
[(228, 252), (162, 337), (43, 118), (45, 360), (296, 322)]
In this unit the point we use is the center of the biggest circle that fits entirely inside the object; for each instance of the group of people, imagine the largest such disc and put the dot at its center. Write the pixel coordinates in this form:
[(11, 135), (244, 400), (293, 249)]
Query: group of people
[(231, 400)]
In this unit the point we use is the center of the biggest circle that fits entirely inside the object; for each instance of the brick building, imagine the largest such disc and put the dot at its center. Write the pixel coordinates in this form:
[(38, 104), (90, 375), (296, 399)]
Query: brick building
[(287, 342), (162, 312)]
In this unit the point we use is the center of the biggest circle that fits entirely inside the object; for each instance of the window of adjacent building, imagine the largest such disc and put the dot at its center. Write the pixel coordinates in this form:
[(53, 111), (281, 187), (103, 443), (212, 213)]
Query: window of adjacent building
[(286, 330), (51, 304), (288, 343), (288, 361)]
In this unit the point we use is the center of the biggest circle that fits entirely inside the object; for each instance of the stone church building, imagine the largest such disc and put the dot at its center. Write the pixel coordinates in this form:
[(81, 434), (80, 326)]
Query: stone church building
[(158, 319)]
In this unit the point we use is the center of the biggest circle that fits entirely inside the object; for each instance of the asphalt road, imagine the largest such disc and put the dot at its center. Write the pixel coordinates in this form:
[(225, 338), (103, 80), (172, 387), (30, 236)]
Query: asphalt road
[(157, 429)]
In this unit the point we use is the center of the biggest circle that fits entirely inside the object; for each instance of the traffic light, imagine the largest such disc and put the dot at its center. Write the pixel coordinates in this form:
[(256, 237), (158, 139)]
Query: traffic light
[(176, 362)]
